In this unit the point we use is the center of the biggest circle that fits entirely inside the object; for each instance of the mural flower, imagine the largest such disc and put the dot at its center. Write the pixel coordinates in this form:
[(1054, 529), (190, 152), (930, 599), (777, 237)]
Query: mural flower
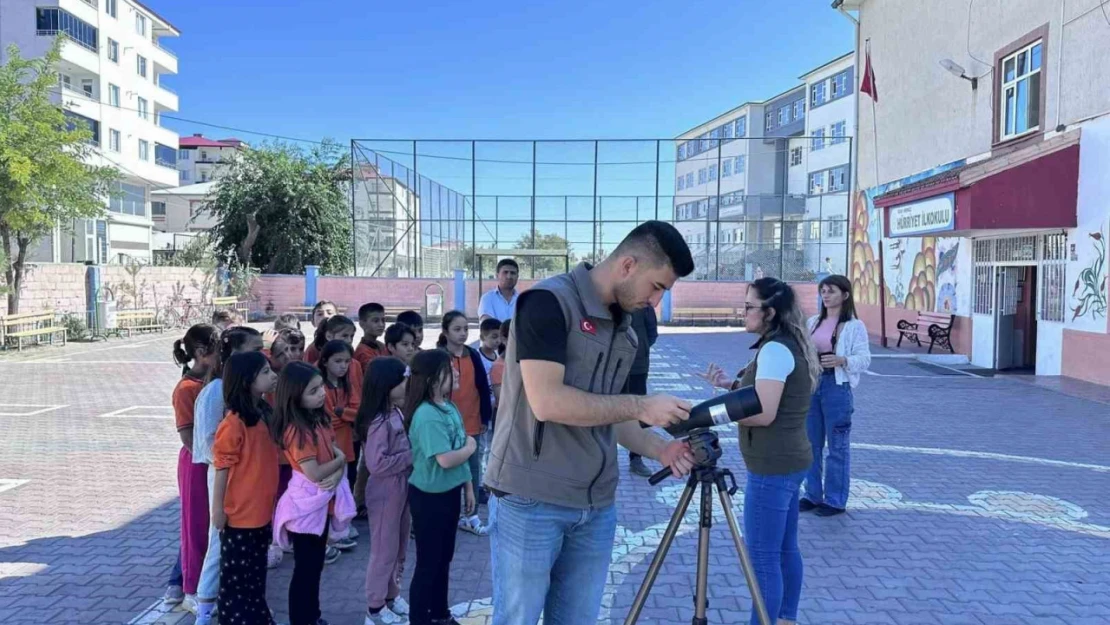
[(1089, 293)]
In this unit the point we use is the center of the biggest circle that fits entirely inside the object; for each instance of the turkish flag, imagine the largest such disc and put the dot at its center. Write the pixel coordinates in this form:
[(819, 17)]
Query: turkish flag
[(868, 85)]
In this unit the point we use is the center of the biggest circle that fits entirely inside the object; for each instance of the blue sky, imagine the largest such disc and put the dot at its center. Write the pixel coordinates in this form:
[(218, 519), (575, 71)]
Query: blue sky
[(488, 69)]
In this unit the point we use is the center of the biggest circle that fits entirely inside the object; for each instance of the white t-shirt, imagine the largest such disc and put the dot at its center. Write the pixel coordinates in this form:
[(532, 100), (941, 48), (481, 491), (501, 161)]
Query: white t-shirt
[(774, 362)]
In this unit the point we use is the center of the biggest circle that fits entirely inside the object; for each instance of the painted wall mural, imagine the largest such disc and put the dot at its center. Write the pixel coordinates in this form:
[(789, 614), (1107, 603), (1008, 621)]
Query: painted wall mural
[(1088, 296), (919, 273)]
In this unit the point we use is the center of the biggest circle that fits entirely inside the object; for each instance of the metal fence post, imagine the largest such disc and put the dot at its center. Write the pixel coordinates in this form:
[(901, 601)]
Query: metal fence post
[(474, 207), (354, 224)]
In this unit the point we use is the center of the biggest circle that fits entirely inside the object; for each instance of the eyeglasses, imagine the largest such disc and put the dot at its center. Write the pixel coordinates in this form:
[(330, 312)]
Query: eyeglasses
[(750, 307)]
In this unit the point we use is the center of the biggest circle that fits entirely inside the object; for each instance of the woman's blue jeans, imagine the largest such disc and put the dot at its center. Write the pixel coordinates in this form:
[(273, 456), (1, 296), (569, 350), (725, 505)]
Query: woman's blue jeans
[(771, 531), (830, 419)]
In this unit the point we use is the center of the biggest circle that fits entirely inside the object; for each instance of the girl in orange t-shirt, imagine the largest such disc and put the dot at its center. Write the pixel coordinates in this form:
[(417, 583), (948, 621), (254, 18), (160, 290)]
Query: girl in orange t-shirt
[(342, 397), (321, 314), (471, 395), (303, 431), (198, 353), (244, 489)]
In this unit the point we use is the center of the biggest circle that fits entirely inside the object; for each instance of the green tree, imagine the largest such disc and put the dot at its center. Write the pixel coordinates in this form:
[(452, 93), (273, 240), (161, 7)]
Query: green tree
[(279, 208), (45, 175), (543, 265)]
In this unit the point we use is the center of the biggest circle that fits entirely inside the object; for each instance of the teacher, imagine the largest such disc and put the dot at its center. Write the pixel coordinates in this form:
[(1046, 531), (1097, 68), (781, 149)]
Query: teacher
[(553, 462)]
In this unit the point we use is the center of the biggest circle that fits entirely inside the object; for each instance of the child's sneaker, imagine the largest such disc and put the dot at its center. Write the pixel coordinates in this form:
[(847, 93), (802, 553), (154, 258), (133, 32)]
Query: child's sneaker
[(384, 617), (273, 556), (352, 533), (399, 606), (473, 525), (190, 604), (174, 595), (331, 554), (344, 544)]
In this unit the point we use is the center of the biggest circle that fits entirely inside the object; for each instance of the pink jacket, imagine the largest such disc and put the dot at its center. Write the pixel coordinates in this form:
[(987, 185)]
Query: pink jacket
[(303, 509), (387, 451)]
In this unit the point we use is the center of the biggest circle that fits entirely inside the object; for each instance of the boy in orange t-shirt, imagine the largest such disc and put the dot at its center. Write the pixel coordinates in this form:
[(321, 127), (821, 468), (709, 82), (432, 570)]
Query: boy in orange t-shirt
[(371, 318)]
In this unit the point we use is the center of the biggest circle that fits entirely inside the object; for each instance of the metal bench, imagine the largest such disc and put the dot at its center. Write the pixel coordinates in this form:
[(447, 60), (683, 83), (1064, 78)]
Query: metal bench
[(30, 326), (937, 327), (131, 321), (306, 311), (233, 303), (694, 315)]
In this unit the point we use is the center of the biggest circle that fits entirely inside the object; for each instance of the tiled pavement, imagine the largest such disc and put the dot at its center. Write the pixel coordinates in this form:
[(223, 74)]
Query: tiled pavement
[(975, 500)]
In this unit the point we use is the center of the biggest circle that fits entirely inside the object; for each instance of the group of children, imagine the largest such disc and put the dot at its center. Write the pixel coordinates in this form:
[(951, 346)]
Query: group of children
[(285, 442)]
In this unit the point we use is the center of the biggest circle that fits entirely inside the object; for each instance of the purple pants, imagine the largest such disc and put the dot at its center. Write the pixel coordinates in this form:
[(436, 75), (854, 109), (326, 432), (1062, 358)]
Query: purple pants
[(387, 504), (192, 484)]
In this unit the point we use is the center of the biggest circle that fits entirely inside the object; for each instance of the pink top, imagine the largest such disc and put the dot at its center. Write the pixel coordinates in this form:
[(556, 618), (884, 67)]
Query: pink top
[(387, 451), (303, 508), (822, 336)]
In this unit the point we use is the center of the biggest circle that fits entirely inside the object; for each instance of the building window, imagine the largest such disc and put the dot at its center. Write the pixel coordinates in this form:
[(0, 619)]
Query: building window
[(140, 65), (814, 230), (817, 183), (681, 151), (185, 176), (818, 139), (113, 50), (110, 7), (51, 22), (770, 120), (795, 157), (113, 140), (739, 164), (835, 229), (701, 176), (726, 130), (799, 109), (203, 156), (838, 179), (840, 85), (183, 154), (144, 150), (741, 127), (689, 180), (820, 96), (838, 132), (165, 156), (679, 183), (127, 199), (113, 95), (140, 23), (158, 209), (703, 143), (726, 168), (712, 173), (1021, 91), (784, 116), (142, 108)]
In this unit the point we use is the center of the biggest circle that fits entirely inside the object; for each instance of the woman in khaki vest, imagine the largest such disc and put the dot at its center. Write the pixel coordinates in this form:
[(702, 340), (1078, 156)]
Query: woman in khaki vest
[(774, 444)]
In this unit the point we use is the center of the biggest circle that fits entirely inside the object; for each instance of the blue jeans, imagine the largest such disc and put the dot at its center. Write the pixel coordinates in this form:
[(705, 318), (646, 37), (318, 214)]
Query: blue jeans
[(548, 559), (830, 419), (771, 531), (176, 577)]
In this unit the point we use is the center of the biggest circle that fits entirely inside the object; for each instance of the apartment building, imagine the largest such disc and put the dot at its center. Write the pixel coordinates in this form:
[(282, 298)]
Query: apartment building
[(743, 193), (111, 78), (200, 159), (982, 176)]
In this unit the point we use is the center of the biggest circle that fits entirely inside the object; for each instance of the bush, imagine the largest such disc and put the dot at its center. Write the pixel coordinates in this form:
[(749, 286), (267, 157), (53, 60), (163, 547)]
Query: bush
[(76, 329)]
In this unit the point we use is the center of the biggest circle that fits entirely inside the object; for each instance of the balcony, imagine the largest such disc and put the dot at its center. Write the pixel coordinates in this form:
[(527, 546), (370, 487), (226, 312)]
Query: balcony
[(164, 98), (165, 61)]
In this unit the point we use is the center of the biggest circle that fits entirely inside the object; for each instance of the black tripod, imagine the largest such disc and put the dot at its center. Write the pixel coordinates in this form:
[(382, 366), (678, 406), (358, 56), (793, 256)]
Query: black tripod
[(707, 450)]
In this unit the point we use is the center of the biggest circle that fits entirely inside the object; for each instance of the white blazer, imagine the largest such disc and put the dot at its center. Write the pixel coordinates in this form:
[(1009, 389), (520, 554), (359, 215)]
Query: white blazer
[(853, 344)]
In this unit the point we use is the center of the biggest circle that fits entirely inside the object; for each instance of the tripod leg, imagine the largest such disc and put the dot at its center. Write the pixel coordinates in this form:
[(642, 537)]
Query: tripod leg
[(661, 552), (745, 561), (705, 524)]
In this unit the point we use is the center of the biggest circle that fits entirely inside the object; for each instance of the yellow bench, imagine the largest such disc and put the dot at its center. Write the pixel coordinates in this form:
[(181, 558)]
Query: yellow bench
[(131, 321), (306, 312), (727, 315), (29, 325), (233, 303)]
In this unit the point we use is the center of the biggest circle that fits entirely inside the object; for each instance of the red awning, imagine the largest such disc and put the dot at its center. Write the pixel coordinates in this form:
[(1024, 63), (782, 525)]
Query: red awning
[(1033, 188)]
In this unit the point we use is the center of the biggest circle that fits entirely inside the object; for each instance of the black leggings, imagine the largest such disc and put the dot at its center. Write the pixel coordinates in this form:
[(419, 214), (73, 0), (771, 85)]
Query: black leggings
[(435, 518), (242, 598), (308, 565)]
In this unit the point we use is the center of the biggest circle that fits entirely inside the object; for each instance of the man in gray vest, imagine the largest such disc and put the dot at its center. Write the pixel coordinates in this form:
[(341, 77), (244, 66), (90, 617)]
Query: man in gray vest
[(553, 462)]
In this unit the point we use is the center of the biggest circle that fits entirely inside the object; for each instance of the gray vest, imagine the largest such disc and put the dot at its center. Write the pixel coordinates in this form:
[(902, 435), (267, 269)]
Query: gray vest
[(561, 464)]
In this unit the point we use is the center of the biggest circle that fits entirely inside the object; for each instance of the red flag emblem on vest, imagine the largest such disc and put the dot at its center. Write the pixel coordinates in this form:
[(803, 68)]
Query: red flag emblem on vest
[(588, 327)]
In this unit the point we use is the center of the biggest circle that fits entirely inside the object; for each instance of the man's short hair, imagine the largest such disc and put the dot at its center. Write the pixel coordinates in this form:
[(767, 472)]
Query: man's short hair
[(366, 310), (395, 333), (287, 320), (507, 262), (658, 243), (489, 324), (411, 318)]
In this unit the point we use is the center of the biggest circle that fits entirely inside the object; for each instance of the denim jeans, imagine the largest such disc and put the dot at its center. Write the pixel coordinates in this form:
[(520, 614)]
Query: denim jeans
[(771, 530), (475, 462), (830, 419), (176, 577), (209, 587), (548, 559)]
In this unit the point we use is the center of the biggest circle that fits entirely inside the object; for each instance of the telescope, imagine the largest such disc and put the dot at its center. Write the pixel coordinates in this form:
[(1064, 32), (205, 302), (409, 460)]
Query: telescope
[(723, 409)]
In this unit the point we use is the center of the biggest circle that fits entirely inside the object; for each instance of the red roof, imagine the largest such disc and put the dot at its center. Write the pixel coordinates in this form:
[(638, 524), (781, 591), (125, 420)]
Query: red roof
[(197, 141)]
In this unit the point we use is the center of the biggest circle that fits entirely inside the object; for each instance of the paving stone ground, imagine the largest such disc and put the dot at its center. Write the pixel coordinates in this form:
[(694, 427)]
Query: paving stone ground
[(975, 500)]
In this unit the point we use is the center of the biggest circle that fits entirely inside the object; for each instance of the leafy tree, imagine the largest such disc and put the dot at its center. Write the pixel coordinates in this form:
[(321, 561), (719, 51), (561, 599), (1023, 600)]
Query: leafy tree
[(45, 175), (279, 208), (543, 265)]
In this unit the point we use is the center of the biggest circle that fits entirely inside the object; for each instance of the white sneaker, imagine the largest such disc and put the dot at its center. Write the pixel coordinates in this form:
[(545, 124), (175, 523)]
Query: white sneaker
[(385, 617), (352, 533), (174, 595), (399, 606), (190, 604), (473, 525)]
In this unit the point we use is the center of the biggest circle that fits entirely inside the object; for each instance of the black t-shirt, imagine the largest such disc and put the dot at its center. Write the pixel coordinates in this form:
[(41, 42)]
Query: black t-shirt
[(541, 328)]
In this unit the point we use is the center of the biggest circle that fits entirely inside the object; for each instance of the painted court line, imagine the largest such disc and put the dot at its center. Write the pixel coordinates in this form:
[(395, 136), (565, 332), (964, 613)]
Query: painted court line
[(122, 413), (29, 413), (983, 455), (145, 363), (6, 484)]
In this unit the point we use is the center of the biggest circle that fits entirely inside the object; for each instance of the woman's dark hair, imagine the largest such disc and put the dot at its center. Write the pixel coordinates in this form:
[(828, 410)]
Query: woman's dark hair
[(787, 319), (395, 333), (234, 339), (331, 348), (425, 371), (239, 374), (288, 320), (332, 325), (848, 308), (506, 325), (383, 374), (288, 411), (447, 319), (202, 336)]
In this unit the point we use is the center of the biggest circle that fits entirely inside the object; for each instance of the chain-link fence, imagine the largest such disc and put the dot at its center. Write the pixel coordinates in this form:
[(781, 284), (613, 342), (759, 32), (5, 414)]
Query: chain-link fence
[(747, 207)]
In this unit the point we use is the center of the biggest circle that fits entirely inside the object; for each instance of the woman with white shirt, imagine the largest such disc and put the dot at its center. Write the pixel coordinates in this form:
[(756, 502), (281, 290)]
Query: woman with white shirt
[(843, 346)]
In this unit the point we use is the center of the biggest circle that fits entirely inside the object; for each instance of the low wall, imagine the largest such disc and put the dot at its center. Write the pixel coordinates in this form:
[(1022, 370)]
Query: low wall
[(48, 286), (1086, 356)]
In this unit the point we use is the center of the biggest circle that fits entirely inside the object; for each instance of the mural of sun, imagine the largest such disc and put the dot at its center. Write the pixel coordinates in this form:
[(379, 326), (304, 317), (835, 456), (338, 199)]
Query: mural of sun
[(920, 291), (865, 268)]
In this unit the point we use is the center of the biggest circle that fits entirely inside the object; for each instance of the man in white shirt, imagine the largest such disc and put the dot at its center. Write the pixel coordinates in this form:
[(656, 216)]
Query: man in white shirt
[(500, 303)]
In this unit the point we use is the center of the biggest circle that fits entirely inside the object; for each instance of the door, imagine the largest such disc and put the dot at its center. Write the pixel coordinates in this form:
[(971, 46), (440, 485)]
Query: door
[(1008, 282)]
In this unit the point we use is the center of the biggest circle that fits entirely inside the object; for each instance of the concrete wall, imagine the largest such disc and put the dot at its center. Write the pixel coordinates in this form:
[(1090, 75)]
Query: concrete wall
[(61, 287)]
